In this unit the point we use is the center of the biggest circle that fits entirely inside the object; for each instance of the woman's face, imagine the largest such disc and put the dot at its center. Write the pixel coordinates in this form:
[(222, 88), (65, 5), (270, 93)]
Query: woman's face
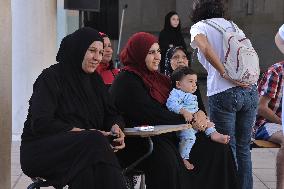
[(107, 51), (174, 21), (178, 59), (153, 57), (93, 57)]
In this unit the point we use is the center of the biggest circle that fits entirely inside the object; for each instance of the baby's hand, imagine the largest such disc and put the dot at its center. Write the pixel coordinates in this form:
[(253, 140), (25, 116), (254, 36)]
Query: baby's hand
[(187, 115)]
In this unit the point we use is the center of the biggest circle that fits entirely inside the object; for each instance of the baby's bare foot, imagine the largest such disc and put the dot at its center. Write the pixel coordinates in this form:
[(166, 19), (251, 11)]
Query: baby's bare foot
[(220, 138), (188, 165)]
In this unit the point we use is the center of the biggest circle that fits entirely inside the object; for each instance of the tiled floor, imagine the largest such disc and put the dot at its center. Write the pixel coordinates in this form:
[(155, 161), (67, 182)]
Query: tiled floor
[(263, 169)]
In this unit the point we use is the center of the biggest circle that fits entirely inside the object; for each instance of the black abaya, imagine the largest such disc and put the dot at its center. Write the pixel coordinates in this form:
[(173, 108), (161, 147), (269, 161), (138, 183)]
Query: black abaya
[(170, 37), (65, 97), (214, 166), (67, 157), (50, 151)]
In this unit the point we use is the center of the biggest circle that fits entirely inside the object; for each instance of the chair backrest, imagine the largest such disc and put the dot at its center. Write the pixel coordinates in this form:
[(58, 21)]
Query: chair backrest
[(40, 182)]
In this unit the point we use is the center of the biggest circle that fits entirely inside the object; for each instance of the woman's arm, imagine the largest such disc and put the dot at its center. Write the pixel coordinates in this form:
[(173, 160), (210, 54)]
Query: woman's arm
[(43, 105), (164, 42), (111, 114), (209, 53), (134, 102)]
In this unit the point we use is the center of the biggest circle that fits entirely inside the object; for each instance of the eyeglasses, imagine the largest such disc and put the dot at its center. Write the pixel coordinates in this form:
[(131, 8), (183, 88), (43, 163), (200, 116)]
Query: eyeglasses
[(177, 57)]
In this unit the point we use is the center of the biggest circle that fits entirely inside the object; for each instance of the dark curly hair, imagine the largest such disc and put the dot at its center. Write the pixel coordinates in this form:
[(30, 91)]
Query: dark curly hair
[(179, 73), (206, 9)]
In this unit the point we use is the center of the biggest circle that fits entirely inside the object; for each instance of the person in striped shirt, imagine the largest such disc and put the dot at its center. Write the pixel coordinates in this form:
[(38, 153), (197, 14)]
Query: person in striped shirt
[(269, 123)]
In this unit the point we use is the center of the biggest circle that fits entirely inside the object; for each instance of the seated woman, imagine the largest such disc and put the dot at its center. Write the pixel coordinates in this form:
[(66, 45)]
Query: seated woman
[(70, 117), (147, 91), (176, 57), (106, 68)]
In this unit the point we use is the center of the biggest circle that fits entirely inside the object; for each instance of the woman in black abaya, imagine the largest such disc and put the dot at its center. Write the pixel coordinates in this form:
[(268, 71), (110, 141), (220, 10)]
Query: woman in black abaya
[(170, 36), (69, 119), (140, 93)]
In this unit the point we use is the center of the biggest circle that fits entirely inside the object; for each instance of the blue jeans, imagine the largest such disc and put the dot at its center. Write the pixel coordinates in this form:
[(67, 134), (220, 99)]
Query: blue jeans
[(233, 111)]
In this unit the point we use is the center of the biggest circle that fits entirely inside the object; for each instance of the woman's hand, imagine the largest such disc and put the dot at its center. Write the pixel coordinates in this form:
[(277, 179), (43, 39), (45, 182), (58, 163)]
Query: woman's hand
[(119, 141), (227, 77), (103, 132), (119, 137), (76, 129), (199, 121)]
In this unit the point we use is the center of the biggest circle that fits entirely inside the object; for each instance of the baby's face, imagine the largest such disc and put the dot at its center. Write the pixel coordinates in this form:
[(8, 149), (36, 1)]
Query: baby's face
[(188, 83)]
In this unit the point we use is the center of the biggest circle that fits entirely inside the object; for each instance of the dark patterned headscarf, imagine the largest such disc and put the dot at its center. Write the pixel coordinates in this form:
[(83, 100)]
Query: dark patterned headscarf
[(169, 54)]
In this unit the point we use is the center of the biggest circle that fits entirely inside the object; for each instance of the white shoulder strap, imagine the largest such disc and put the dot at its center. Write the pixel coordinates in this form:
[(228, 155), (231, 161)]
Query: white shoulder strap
[(237, 29), (219, 28)]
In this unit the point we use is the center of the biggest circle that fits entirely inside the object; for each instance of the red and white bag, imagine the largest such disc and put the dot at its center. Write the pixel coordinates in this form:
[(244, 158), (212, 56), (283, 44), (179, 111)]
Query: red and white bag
[(241, 60)]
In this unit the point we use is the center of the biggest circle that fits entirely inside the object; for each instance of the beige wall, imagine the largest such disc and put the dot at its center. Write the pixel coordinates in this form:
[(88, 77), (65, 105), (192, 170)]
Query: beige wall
[(5, 93), (34, 48)]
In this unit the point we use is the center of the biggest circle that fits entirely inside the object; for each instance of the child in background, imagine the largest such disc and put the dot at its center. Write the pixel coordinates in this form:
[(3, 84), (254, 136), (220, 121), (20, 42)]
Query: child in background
[(182, 101)]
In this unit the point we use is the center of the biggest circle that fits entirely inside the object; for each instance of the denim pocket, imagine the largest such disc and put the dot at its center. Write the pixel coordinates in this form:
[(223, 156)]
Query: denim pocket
[(252, 98), (225, 100)]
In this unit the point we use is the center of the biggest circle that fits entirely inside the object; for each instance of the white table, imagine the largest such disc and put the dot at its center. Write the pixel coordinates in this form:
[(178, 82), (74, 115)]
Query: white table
[(158, 129)]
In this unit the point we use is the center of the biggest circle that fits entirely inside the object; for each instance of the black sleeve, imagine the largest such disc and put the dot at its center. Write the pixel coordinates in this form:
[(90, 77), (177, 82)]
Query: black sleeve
[(133, 100), (111, 114), (184, 44), (43, 105), (163, 41), (199, 99)]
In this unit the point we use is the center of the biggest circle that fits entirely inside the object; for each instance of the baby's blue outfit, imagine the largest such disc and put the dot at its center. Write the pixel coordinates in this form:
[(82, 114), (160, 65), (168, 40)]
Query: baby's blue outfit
[(179, 99)]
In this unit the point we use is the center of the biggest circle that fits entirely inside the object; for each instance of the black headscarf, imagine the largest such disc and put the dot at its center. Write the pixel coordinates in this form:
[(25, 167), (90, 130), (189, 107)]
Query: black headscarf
[(84, 91), (167, 25), (170, 35), (73, 47), (169, 54)]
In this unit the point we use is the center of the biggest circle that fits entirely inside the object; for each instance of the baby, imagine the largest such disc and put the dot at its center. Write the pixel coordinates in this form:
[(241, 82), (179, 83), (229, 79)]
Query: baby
[(183, 101)]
